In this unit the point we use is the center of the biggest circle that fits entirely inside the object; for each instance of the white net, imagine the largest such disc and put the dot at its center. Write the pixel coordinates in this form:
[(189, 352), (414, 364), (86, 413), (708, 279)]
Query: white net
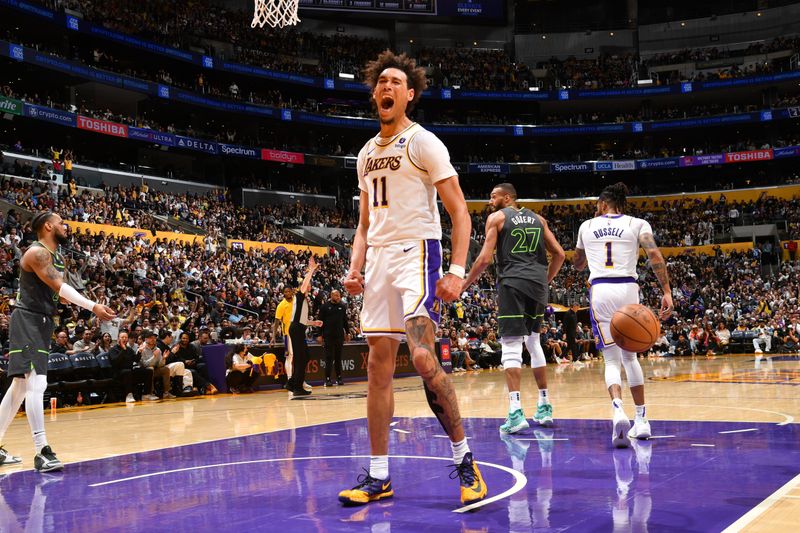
[(276, 13)]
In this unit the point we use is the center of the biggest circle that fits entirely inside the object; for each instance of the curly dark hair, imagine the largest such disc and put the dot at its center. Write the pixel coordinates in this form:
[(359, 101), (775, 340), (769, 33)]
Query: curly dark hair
[(615, 195), (416, 77)]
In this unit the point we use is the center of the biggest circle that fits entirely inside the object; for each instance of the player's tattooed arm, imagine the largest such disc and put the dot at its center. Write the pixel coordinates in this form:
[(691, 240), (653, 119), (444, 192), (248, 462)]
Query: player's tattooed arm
[(439, 389), (41, 263), (657, 263)]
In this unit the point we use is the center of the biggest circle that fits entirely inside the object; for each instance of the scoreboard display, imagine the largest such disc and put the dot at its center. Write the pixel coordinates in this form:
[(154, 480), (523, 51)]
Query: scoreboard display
[(490, 10), (425, 7)]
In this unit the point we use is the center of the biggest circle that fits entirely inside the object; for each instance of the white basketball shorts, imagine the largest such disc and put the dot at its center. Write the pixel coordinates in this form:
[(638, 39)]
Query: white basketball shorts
[(606, 295), (399, 284)]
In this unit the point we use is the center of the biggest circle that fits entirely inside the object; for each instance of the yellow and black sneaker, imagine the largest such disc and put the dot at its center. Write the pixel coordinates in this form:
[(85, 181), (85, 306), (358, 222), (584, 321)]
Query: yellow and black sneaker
[(368, 490), (473, 489)]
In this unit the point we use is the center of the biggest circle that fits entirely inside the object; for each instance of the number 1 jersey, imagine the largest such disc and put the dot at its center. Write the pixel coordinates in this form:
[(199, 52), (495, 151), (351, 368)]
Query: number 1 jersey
[(398, 174), (611, 243)]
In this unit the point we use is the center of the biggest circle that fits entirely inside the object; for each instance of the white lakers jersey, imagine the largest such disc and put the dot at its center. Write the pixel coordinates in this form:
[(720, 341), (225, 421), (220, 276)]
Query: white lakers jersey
[(399, 174), (611, 243)]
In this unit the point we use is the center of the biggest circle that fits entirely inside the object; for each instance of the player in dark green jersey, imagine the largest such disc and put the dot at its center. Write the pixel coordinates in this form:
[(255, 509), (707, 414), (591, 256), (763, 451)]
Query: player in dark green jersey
[(522, 241), (41, 286)]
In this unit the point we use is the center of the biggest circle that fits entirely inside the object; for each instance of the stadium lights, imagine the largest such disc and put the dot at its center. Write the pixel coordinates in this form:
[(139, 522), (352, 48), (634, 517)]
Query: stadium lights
[(347, 76)]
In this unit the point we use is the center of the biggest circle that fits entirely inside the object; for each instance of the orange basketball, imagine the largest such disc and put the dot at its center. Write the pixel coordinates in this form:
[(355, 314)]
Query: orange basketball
[(635, 328)]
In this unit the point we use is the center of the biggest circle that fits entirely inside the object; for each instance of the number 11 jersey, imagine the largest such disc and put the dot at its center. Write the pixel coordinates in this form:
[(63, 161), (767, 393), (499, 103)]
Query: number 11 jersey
[(398, 174)]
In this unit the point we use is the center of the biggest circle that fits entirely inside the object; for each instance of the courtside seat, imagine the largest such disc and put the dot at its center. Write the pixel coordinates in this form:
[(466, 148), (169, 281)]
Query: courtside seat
[(59, 370)]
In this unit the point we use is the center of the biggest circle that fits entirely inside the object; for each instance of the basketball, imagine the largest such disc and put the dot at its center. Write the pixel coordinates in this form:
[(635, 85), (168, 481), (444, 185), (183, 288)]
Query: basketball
[(635, 328)]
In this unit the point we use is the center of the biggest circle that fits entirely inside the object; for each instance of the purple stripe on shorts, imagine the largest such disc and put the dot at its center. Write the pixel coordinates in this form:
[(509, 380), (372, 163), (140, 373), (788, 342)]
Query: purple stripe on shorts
[(598, 337), (433, 266), (424, 282), (597, 281)]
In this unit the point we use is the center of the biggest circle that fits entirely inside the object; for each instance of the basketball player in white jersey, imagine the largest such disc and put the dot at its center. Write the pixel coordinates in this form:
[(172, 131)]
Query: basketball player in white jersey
[(609, 245), (400, 171)]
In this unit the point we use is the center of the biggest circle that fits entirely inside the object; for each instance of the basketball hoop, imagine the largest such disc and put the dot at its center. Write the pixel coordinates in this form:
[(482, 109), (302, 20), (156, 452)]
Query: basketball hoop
[(276, 13)]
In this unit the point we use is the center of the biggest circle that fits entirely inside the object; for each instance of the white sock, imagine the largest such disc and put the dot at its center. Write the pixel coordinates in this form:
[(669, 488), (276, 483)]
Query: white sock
[(34, 408), (616, 403), (514, 402), (379, 466), (460, 449), (640, 411), (543, 399)]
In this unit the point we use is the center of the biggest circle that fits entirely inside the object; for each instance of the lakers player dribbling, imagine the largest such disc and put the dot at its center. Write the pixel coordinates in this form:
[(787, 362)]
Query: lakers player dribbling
[(609, 245), (400, 172)]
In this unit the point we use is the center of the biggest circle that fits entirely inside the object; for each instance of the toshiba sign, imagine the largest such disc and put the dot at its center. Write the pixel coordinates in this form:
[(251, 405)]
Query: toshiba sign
[(746, 157), (102, 126)]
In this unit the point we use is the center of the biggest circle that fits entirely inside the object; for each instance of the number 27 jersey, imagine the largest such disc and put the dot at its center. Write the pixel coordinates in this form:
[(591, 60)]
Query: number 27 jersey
[(399, 176), (611, 243)]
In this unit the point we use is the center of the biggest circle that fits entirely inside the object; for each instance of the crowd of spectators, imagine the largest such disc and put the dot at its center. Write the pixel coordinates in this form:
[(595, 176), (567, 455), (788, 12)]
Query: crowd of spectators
[(141, 207), (700, 55), (185, 293), (681, 223), (199, 24)]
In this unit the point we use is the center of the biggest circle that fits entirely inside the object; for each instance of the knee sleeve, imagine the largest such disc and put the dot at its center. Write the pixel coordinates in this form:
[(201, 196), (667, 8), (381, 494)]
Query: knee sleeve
[(632, 369), (512, 352), (612, 355), (534, 346), (35, 384)]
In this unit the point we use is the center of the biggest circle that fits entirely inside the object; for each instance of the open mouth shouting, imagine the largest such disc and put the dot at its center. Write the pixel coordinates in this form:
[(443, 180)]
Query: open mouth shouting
[(386, 103)]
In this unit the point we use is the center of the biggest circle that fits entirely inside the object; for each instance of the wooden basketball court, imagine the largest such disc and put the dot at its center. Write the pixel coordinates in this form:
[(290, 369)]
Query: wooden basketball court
[(757, 400)]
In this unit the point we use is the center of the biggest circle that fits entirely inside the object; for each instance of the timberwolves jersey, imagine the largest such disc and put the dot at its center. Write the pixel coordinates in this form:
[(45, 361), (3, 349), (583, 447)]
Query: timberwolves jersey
[(399, 174), (34, 294), (521, 253)]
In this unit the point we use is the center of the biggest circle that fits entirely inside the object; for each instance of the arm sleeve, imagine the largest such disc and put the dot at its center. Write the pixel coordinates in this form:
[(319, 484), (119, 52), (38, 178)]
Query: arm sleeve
[(430, 154)]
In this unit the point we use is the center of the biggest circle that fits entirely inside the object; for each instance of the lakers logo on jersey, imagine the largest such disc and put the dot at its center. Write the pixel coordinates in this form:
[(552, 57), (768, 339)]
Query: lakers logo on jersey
[(381, 163)]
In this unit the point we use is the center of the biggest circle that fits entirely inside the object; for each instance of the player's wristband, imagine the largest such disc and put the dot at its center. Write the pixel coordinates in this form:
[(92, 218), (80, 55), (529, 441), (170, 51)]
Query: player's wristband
[(458, 271), (73, 296)]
